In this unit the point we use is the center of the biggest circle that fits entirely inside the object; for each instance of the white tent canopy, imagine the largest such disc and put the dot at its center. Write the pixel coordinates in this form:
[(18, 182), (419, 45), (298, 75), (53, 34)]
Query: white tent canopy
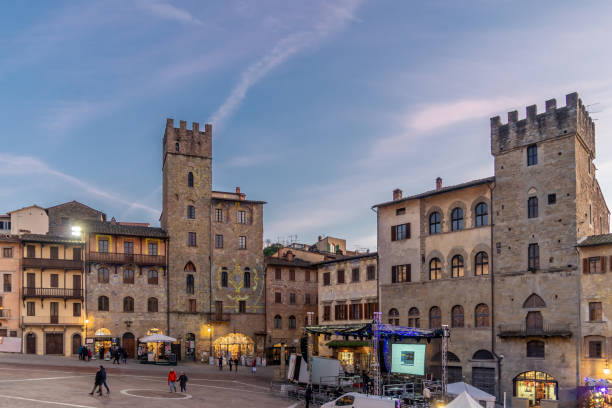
[(460, 387), (464, 401), (157, 338)]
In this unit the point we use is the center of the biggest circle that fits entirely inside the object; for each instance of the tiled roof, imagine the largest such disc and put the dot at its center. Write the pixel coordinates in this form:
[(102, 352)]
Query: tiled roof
[(238, 201), (105, 227), (594, 240), (440, 191), (271, 260), (349, 258), (49, 238)]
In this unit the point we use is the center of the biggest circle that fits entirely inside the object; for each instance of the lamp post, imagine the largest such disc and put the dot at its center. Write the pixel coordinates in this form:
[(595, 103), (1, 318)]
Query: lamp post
[(606, 370), (86, 321)]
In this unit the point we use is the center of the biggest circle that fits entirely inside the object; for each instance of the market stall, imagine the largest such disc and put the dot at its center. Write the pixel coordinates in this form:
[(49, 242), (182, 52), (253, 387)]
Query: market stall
[(158, 350)]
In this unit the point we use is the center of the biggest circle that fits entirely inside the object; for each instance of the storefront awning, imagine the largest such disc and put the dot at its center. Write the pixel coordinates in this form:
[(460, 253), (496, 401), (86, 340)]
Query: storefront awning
[(348, 343)]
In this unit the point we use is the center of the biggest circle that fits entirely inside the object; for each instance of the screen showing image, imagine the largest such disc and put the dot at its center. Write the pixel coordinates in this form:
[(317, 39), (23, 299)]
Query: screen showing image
[(408, 358)]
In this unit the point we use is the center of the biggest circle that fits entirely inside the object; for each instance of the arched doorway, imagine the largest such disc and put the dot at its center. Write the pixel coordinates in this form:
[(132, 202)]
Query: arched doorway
[(535, 386), (30, 343), (76, 343), (234, 344), (128, 342), (190, 346)]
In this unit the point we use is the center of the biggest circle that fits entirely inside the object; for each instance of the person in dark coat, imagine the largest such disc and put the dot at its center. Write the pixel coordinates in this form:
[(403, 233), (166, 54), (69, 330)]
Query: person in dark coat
[(103, 371), (308, 395), (101, 353), (183, 381), (98, 382), (115, 353), (124, 355), (236, 364), (230, 362), (220, 363)]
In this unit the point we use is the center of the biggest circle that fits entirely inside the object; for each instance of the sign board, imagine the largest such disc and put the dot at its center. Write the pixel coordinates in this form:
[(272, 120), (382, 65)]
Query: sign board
[(408, 359)]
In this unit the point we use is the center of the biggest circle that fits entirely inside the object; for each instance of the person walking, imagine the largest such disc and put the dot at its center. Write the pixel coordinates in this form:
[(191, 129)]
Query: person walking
[(89, 354), (236, 364), (103, 371), (115, 355), (220, 363), (183, 381), (172, 380), (124, 355), (101, 353), (308, 395), (97, 382), (80, 352), (230, 362), (254, 366)]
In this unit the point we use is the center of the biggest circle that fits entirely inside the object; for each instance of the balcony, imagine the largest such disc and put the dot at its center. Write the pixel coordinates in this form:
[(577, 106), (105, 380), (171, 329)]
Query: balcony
[(53, 293), (54, 320), (218, 317), (52, 263), (547, 330), (125, 259), (5, 313)]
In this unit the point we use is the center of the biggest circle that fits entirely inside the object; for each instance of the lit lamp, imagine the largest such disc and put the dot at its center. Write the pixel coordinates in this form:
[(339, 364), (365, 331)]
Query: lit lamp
[(76, 231), (606, 370)]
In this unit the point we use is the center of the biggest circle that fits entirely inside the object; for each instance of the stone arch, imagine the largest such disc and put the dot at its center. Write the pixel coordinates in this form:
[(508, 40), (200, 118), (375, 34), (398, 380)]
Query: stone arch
[(478, 200), (534, 301), (456, 204), (430, 210), (466, 260), (431, 255), (189, 267), (483, 355), (532, 191)]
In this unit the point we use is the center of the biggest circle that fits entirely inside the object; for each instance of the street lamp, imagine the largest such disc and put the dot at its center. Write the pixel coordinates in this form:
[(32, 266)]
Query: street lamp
[(606, 370), (86, 321)]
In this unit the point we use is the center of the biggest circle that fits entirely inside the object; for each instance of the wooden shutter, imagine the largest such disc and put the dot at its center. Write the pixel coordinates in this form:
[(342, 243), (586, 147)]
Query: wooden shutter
[(408, 231), (360, 311), (585, 265), (603, 264), (611, 263), (394, 274), (393, 233), (409, 272)]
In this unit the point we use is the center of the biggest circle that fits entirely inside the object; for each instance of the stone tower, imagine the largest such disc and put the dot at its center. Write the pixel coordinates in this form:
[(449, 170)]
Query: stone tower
[(545, 198), (187, 191)]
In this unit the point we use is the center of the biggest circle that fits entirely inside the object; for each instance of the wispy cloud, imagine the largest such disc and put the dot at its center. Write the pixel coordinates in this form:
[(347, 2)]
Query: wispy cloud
[(332, 19), (66, 116), (168, 11), (25, 165)]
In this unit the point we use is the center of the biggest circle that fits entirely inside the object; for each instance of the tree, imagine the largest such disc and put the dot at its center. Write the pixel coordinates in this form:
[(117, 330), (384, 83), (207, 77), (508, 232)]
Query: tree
[(272, 249)]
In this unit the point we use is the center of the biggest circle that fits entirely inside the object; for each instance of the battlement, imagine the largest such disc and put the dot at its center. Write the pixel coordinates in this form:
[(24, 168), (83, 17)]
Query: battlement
[(573, 118), (192, 142)]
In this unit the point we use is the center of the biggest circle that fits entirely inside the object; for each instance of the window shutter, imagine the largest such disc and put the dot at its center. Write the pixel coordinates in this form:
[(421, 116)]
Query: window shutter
[(610, 263), (393, 233), (603, 264), (360, 311), (585, 265), (393, 274), (409, 272), (408, 230)]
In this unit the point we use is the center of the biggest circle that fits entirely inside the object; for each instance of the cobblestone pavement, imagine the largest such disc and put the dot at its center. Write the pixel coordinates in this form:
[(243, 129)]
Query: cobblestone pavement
[(46, 381)]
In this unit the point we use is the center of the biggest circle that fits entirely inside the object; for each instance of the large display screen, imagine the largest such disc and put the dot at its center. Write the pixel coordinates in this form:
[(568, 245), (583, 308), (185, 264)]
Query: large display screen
[(408, 359)]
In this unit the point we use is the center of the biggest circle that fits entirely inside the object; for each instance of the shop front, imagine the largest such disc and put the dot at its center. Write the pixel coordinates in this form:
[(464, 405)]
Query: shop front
[(535, 386), (234, 345), (102, 342), (273, 353), (354, 355)]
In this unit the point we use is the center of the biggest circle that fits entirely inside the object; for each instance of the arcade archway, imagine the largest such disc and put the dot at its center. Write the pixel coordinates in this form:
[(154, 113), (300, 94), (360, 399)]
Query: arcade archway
[(235, 345)]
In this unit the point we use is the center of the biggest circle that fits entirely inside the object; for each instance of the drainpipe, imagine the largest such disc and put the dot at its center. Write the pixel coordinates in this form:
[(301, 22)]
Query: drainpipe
[(167, 248), (579, 342), (492, 274)]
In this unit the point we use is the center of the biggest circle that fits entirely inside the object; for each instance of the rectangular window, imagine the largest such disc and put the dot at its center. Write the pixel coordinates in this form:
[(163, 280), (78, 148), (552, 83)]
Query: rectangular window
[(7, 252), (191, 212), (54, 280), (278, 275), (219, 215), (326, 279), (370, 308), (292, 298), (340, 312), (595, 349), (552, 198), (241, 242), (326, 313), (76, 309), (307, 299), (192, 306), (400, 232), (30, 251), (54, 252), (401, 273), (153, 247), (241, 217), (340, 276), (532, 207), (103, 245), (371, 272), (128, 247), (594, 265), (595, 312), (307, 276), (76, 254), (355, 275), (242, 306), (533, 256), (7, 283), (291, 274), (31, 308), (400, 211), (278, 297), (532, 155), (191, 239), (218, 241)]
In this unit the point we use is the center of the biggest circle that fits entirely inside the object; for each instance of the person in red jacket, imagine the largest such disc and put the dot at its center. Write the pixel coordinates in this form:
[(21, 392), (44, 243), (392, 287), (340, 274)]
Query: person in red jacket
[(172, 380)]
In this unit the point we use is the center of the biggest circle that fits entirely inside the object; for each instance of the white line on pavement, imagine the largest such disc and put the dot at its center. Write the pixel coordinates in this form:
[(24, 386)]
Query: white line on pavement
[(44, 378), (46, 402)]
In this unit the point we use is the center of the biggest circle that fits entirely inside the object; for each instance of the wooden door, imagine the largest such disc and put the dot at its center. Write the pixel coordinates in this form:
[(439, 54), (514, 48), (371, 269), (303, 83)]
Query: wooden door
[(534, 321), (31, 343), (30, 284), (54, 343), (54, 312), (76, 343), (129, 344), (76, 285)]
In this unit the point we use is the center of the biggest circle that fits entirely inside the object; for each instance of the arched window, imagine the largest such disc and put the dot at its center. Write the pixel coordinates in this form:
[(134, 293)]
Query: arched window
[(247, 278), (534, 301), (191, 212), (128, 304), (483, 355), (128, 276), (152, 305), (292, 322), (457, 266), (481, 264), (153, 277), (535, 348), (457, 219), (190, 267), (457, 316), (482, 213), (190, 179), (278, 322), (190, 284), (103, 304), (435, 317), (532, 207), (394, 317), (435, 269), (414, 319), (482, 315), (102, 275), (224, 277), (434, 223), (534, 321)]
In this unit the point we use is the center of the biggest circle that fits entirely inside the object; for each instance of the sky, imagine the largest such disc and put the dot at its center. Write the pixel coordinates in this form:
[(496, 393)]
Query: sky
[(319, 108)]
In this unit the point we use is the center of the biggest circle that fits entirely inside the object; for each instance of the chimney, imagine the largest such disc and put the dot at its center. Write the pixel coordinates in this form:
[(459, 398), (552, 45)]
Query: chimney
[(237, 190), (438, 183), (397, 194)]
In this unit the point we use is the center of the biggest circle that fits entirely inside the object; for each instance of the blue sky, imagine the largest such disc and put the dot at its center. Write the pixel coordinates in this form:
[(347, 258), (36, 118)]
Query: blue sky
[(320, 108)]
